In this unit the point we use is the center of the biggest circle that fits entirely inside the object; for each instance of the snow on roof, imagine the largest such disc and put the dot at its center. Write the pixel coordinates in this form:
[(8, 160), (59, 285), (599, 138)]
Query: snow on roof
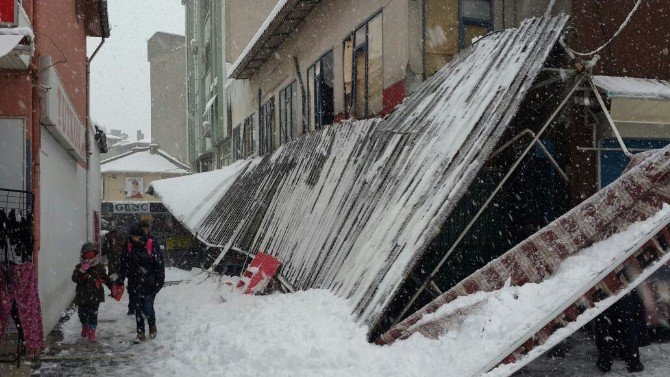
[(190, 198), (141, 160), (353, 207), (632, 87)]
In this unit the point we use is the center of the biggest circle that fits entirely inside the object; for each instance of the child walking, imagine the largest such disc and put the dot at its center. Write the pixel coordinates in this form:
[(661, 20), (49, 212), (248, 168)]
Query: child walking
[(90, 275)]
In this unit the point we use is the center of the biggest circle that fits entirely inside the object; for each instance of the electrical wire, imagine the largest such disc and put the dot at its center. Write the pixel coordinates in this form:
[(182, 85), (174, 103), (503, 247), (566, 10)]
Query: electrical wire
[(623, 25)]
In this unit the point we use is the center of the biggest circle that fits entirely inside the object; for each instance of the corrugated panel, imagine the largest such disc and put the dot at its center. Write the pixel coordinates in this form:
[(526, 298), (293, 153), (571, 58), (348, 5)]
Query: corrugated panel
[(353, 207)]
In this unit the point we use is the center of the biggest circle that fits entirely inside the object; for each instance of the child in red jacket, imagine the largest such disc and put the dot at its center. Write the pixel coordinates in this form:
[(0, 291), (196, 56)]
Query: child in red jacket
[(90, 275)]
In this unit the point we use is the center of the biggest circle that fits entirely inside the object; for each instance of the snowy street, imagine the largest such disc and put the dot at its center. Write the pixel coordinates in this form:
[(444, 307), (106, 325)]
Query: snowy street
[(207, 329)]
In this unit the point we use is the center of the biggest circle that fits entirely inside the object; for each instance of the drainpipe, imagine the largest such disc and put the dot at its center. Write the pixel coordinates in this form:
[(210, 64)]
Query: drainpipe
[(89, 215), (35, 138)]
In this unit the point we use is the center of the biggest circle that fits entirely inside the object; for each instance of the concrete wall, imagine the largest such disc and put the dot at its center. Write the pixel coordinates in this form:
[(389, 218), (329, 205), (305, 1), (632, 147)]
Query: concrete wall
[(64, 227), (168, 96)]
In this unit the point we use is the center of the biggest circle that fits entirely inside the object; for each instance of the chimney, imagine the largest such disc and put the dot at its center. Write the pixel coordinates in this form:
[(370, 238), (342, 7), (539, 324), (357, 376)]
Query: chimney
[(140, 135)]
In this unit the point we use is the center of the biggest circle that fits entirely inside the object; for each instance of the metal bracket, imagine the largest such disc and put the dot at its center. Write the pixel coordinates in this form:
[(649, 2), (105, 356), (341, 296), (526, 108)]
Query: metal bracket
[(609, 118)]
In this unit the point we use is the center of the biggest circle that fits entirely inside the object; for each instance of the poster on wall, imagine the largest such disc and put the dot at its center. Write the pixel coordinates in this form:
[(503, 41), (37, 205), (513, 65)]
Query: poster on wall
[(135, 188)]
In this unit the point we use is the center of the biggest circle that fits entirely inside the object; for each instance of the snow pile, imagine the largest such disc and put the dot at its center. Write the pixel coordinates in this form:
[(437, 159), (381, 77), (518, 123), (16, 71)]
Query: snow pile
[(191, 198), (142, 162), (207, 328)]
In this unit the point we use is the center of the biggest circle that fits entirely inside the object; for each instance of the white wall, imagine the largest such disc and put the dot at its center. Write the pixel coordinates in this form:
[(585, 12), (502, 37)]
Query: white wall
[(94, 190), (63, 227)]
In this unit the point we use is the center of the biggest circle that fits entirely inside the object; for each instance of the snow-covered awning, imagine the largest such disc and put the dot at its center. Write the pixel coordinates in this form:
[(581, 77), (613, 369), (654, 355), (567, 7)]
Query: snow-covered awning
[(633, 87), (282, 21), (353, 208), (8, 43), (191, 198), (208, 106), (142, 160)]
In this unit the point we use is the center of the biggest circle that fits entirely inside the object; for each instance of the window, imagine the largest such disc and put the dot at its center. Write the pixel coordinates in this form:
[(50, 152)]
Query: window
[(321, 89), (287, 123), (266, 128), (248, 136), (449, 28), (237, 142), (363, 70), (476, 20)]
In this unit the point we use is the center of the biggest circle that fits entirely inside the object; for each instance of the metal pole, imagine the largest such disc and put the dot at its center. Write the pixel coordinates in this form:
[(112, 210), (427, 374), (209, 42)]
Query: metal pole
[(490, 198), (609, 118)]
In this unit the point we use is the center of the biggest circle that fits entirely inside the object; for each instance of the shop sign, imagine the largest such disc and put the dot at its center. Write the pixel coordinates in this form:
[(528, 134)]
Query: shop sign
[(130, 207), (9, 13), (58, 113)]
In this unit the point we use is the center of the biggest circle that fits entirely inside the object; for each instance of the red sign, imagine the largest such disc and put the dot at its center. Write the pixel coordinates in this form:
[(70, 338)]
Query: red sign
[(9, 11)]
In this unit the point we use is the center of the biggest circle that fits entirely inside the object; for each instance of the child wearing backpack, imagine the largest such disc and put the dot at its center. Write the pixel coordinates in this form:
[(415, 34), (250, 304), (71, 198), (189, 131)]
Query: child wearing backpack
[(90, 275)]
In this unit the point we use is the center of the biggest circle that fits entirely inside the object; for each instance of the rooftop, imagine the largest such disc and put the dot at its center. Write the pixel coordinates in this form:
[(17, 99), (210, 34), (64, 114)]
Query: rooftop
[(142, 160)]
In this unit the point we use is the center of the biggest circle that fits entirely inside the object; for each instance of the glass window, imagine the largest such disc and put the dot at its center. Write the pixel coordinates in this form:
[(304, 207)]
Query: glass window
[(311, 94), (348, 73), (321, 86), (237, 142), (440, 34), (477, 9), (363, 95), (287, 113), (266, 128), (475, 20), (248, 136), (375, 65)]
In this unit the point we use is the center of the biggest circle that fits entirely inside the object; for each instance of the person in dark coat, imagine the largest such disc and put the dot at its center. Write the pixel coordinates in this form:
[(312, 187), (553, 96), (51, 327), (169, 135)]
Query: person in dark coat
[(619, 331), (112, 245), (90, 275), (142, 263)]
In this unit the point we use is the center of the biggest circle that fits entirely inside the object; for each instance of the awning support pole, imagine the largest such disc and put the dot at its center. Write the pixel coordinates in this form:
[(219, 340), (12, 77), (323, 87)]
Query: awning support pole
[(540, 145), (609, 118), (490, 198)]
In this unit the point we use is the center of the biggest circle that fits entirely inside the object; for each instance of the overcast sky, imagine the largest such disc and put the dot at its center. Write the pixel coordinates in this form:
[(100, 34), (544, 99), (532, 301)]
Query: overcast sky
[(120, 95)]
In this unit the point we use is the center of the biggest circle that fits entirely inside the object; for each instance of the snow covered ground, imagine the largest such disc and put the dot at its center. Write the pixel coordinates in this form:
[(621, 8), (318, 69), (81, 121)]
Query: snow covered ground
[(208, 329)]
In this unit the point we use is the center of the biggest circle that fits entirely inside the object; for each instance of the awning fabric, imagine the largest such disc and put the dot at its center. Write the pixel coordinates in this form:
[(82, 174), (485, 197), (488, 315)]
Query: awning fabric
[(633, 87), (8, 43)]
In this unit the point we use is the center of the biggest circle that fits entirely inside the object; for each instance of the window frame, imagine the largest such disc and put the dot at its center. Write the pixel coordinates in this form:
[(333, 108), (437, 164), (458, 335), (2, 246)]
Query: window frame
[(472, 21), (287, 94), (349, 106), (316, 109)]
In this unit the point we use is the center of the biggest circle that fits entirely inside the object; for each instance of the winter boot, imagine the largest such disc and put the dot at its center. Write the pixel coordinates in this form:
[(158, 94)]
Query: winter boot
[(604, 364), (635, 366), (84, 331), (140, 338), (152, 331), (91, 335)]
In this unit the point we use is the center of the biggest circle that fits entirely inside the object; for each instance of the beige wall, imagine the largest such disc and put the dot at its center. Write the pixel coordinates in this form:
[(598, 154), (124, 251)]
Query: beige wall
[(114, 185), (243, 19), (168, 103)]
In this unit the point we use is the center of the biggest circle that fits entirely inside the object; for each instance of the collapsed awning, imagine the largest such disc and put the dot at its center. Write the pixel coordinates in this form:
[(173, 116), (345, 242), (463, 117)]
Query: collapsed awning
[(8, 43), (191, 198), (352, 208), (633, 87), (613, 251)]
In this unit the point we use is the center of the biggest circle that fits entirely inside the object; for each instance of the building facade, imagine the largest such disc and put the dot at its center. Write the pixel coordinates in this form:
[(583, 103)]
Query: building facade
[(167, 60), (51, 150), (217, 32)]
